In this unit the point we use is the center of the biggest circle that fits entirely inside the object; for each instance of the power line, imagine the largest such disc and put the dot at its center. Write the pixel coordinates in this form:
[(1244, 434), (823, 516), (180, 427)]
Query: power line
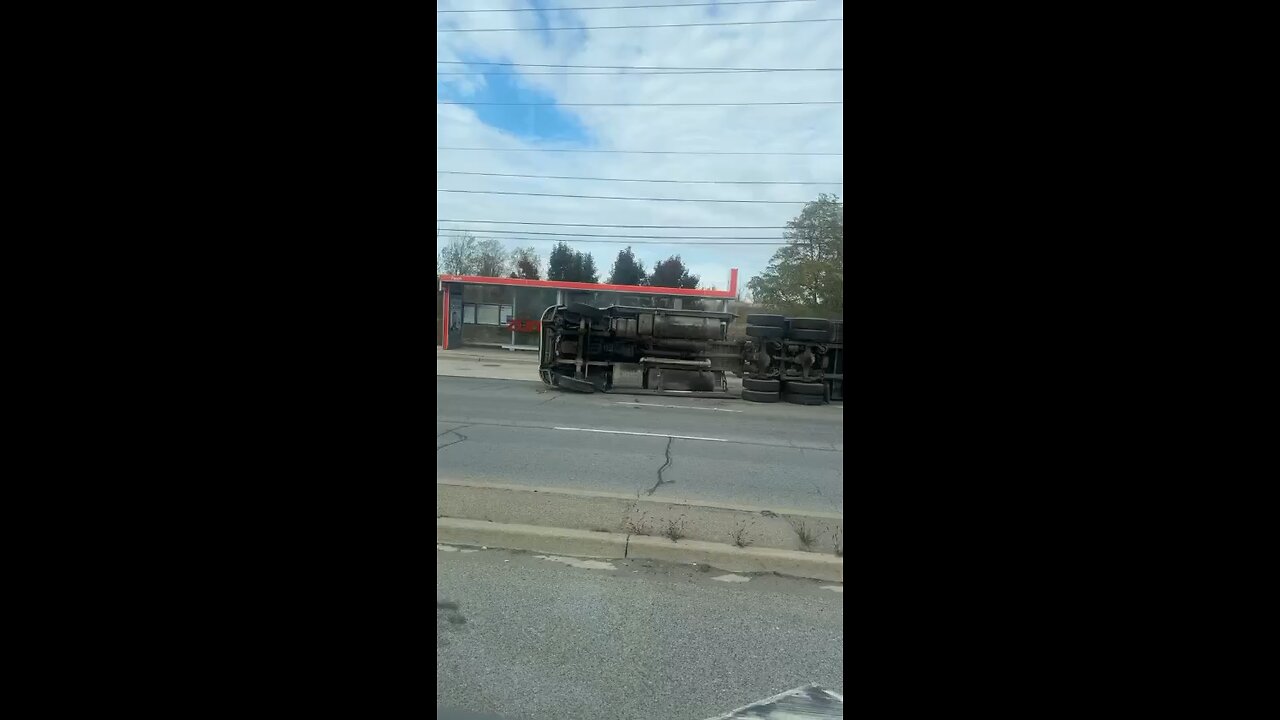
[(623, 242), (602, 179), (610, 235), (564, 104), (640, 152), (613, 197), (631, 27), (632, 67), (628, 7), (650, 72), (649, 227)]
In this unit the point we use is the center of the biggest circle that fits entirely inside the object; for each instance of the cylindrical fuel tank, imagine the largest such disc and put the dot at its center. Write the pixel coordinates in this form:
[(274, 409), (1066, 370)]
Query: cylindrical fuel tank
[(692, 328)]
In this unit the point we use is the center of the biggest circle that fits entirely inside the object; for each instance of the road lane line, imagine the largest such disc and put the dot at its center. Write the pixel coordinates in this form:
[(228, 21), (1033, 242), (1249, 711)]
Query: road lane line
[(624, 432), (682, 407)]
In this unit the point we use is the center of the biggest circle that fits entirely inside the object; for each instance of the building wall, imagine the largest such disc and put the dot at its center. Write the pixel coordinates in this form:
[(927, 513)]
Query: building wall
[(484, 307)]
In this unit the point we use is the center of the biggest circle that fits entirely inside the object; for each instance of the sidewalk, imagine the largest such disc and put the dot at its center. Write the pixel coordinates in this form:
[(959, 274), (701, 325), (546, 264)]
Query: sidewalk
[(487, 363), (485, 354)]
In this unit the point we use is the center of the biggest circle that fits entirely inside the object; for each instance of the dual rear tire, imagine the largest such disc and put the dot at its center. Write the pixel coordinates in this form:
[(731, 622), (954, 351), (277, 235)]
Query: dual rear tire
[(805, 393), (766, 386), (766, 327), (779, 327), (772, 391)]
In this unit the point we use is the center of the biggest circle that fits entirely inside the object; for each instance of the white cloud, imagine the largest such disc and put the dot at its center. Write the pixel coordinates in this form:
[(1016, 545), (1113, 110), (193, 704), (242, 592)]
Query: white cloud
[(803, 128)]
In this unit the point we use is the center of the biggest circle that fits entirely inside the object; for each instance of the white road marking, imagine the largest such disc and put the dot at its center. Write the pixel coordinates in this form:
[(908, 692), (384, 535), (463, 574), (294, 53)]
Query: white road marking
[(732, 578), (834, 588), (682, 407), (624, 432), (450, 548), (575, 562)]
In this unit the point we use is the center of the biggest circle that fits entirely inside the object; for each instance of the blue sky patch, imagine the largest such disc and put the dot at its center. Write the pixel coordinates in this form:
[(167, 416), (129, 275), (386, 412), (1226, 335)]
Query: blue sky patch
[(529, 123)]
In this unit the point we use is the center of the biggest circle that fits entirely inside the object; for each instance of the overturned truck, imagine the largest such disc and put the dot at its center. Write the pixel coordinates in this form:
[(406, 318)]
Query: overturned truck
[(799, 360)]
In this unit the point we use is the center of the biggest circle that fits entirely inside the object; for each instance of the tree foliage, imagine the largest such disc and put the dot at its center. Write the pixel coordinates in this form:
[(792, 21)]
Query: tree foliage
[(672, 273), (459, 256), (491, 258), (567, 264), (525, 263), (807, 274), (627, 270), (560, 264), (587, 269)]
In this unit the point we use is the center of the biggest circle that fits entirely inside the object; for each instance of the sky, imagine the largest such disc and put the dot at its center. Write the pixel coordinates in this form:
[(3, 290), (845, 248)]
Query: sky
[(794, 128)]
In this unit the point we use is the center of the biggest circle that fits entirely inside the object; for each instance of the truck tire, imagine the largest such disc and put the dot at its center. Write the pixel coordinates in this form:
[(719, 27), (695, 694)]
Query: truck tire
[(767, 320), (810, 324), (806, 388), (764, 331), (763, 386), (802, 399), (753, 396), (818, 336)]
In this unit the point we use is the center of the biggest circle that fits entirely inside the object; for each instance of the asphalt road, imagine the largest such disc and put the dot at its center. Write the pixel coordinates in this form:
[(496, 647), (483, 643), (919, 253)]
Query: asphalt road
[(775, 456), (524, 637)]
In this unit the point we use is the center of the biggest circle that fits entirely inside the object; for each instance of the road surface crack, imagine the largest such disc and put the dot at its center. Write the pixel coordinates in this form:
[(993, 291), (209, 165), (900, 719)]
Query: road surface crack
[(446, 432), (461, 437), (665, 465)]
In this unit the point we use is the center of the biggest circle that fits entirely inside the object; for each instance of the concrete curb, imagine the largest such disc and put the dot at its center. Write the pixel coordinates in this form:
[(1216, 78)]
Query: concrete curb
[(600, 512), (561, 541), (520, 357), (580, 543)]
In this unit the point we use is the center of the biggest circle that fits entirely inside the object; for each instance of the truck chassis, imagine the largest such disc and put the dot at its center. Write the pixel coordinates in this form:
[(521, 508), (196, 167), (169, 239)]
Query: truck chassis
[(581, 347)]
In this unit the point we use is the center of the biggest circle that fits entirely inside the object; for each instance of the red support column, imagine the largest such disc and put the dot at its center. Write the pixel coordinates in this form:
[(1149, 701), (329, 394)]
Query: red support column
[(444, 318)]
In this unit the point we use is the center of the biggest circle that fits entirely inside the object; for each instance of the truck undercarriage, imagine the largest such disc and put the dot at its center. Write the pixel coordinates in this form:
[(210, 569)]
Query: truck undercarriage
[(582, 347)]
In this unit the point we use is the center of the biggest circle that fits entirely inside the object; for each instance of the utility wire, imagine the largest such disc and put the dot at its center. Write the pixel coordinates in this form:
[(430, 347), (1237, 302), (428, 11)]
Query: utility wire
[(640, 152), (613, 197), (564, 104), (628, 7), (649, 72), (603, 179), (633, 67), (650, 227), (623, 242), (630, 27), (611, 235)]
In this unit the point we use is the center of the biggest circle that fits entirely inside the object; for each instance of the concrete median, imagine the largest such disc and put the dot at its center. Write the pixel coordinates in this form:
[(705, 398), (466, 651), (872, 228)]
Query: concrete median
[(745, 539), (614, 512), (579, 543)]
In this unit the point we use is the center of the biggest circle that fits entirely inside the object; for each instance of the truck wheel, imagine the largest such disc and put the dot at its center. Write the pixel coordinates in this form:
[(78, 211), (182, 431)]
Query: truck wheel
[(764, 331), (767, 320), (753, 396), (764, 386), (811, 324), (802, 399), (806, 388), (818, 336)]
